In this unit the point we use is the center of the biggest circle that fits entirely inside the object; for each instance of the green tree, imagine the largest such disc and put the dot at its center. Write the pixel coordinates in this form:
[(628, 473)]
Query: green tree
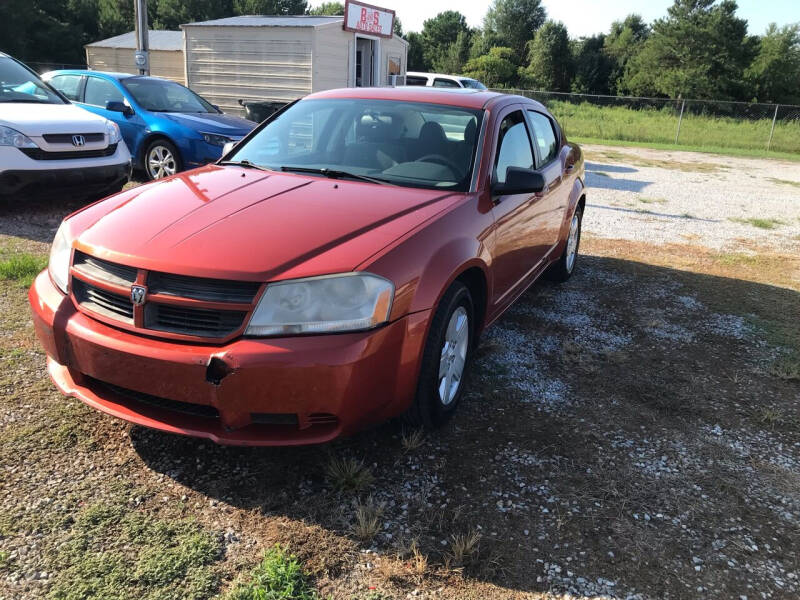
[(397, 26), (483, 41), (700, 50), (416, 55), (270, 7), (623, 42), (515, 22), (455, 55), (439, 33), (496, 68), (549, 59), (592, 66), (774, 74), (327, 8)]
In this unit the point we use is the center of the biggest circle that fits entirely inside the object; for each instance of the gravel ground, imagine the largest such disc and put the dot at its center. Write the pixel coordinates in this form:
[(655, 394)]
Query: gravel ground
[(625, 435), (657, 197)]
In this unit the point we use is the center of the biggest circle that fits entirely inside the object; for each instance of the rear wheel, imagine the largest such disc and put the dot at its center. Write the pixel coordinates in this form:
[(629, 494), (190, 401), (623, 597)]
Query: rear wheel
[(445, 359), (564, 267), (161, 159)]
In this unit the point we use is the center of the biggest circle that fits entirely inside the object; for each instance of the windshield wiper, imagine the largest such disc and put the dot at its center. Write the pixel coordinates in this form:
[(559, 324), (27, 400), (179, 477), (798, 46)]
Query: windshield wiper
[(335, 174), (243, 163)]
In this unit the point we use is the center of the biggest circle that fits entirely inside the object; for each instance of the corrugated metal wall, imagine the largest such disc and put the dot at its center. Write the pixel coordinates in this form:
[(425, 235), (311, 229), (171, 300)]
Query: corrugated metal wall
[(163, 63), (225, 64)]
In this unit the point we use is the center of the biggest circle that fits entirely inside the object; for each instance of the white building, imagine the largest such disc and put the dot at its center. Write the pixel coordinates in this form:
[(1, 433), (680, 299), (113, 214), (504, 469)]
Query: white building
[(281, 58), (116, 55)]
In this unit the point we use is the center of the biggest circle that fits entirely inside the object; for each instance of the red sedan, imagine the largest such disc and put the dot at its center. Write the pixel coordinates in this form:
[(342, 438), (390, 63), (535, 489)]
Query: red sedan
[(333, 270)]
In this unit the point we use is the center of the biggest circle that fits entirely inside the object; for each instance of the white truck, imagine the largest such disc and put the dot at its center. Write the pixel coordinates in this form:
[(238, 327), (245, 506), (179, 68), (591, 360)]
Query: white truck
[(52, 148)]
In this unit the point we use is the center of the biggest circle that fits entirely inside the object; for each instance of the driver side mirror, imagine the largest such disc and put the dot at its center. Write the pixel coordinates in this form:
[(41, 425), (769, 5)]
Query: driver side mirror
[(120, 107), (519, 181)]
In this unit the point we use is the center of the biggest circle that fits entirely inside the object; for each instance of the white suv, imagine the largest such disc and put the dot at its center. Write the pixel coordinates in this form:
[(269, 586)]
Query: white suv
[(442, 80), (49, 147)]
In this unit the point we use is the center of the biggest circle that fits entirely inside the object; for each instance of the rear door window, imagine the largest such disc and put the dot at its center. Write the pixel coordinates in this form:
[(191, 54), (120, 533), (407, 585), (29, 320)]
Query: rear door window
[(545, 136), (415, 80), (69, 85), (447, 83)]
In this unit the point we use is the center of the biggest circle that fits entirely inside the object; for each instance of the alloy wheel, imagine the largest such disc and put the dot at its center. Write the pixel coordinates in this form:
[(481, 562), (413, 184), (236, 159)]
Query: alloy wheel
[(572, 241), (161, 162), (454, 355)]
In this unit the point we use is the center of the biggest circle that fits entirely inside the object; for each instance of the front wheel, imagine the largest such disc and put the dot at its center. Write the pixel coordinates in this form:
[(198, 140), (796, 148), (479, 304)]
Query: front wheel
[(564, 267), (445, 360), (161, 159)]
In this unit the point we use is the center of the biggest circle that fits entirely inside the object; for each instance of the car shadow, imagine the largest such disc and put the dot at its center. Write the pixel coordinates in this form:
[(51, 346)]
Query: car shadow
[(589, 452), (593, 167), (600, 179)]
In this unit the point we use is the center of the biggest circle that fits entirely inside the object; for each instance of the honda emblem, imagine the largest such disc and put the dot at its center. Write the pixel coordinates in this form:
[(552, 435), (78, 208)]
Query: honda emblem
[(78, 141)]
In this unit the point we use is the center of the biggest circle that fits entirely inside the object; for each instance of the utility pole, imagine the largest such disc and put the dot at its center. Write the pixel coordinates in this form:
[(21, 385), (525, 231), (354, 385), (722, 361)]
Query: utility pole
[(142, 55)]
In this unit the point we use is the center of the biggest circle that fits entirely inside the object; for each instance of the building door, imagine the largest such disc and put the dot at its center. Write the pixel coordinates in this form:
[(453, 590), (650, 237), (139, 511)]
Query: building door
[(365, 50)]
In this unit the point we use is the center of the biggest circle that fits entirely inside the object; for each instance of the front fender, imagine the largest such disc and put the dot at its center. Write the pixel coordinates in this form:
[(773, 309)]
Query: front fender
[(425, 263)]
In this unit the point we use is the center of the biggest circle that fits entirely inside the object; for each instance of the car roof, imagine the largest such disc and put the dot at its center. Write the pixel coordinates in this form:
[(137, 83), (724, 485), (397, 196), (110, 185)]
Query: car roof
[(106, 74), (464, 97), (447, 75)]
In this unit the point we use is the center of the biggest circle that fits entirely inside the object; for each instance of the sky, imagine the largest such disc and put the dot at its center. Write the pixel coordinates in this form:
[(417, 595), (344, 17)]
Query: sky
[(585, 17)]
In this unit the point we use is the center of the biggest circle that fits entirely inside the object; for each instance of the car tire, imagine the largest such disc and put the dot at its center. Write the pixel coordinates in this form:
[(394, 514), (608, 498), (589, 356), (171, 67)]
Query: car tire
[(564, 267), (450, 339), (161, 159)]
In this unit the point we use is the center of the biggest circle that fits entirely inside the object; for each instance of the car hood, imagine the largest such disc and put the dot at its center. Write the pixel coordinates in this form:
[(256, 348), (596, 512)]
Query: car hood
[(212, 123), (36, 119), (236, 223)]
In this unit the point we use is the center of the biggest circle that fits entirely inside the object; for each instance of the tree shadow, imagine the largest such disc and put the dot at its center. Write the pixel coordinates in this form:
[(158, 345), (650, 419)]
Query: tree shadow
[(584, 452)]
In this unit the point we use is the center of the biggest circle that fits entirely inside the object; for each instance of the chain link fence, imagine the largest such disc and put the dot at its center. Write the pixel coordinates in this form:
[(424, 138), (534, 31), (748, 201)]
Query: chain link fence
[(700, 123)]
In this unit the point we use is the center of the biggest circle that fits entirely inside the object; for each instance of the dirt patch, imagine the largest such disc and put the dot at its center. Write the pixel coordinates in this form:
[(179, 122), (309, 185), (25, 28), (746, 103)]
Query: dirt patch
[(634, 433)]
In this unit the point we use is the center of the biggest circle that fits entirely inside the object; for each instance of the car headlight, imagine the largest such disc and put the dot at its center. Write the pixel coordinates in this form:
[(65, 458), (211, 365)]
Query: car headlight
[(216, 139), (12, 137), (60, 254), (332, 303), (112, 129)]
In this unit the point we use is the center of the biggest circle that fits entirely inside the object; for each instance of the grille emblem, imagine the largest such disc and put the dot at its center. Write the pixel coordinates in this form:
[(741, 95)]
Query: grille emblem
[(138, 293), (78, 141)]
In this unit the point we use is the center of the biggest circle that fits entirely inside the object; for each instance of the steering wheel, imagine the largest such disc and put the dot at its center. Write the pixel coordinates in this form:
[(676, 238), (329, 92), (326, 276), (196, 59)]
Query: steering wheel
[(441, 160)]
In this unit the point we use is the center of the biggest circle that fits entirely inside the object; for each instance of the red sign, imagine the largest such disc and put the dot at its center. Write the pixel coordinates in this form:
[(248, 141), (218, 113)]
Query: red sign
[(365, 18)]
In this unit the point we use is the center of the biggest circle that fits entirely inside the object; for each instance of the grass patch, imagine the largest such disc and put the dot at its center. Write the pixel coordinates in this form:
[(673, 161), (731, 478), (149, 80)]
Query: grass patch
[(22, 268), (113, 553), (652, 200), (758, 222), (658, 126), (348, 474), (368, 520), (279, 576), (787, 367)]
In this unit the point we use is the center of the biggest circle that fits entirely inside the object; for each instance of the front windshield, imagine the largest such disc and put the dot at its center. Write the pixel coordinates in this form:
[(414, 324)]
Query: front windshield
[(18, 84), (161, 95), (403, 143), (472, 83)]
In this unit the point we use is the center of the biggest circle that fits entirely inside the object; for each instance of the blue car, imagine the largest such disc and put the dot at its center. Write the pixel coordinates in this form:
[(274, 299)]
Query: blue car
[(166, 126)]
